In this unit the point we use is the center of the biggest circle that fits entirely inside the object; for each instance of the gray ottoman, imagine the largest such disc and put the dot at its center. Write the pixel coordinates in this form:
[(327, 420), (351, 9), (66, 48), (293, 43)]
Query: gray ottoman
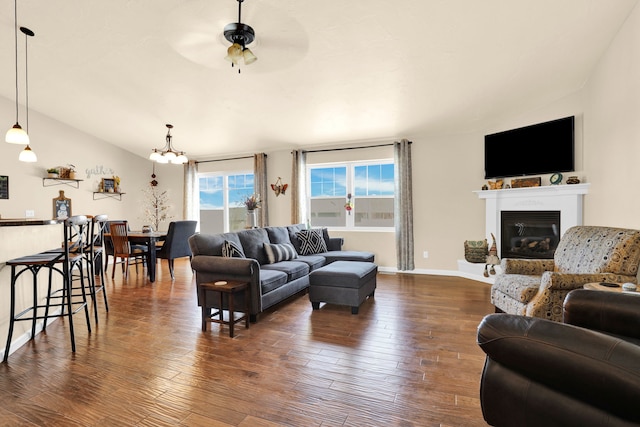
[(343, 283)]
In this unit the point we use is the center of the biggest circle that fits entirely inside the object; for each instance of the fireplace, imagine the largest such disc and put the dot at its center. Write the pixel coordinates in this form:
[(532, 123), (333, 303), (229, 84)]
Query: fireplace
[(565, 200), (529, 234)]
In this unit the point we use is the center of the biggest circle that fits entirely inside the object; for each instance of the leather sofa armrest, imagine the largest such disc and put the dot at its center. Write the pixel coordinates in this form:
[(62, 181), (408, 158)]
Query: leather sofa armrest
[(526, 266), (589, 366), (610, 312)]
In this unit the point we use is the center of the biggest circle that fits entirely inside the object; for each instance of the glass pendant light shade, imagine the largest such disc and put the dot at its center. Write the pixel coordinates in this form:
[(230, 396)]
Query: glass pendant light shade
[(249, 57), (170, 156), (17, 135), (234, 53), (163, 159), (181, 159), (155, 156), (27, 155)]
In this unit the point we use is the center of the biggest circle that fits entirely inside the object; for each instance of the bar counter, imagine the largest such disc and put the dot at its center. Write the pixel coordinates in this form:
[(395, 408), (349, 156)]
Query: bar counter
[(21, 237)]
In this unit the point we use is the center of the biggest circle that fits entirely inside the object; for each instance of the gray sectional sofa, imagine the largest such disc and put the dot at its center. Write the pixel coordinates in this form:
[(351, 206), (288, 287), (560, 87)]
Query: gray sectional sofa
[(275, 261)]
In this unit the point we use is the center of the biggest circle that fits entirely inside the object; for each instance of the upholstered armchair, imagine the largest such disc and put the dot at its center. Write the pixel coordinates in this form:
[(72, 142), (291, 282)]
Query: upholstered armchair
[(537, 287), (583, 372)]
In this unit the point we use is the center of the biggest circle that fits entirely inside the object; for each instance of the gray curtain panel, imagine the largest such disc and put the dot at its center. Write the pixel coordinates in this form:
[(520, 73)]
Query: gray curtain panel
[(191, 205), (260, 187), (298, 175), (403, 205)]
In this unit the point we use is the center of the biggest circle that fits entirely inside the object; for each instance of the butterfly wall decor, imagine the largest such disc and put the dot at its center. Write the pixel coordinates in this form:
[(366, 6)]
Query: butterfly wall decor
[(279, 188)]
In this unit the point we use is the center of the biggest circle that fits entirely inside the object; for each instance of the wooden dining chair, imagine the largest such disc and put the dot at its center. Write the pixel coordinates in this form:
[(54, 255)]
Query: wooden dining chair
[(122, 249)]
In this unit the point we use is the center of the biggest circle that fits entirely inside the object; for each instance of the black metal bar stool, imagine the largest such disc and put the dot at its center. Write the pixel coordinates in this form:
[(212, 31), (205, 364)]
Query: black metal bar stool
[(94, 252), (62, 262)]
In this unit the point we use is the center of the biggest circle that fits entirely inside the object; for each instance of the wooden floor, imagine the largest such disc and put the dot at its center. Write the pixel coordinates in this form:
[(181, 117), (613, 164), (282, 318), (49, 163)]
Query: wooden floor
[(408, 359)]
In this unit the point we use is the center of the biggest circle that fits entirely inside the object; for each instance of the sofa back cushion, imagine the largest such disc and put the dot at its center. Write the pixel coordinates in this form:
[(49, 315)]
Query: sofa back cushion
[(278, 235), (211, 244), (253, 241), (596, 249)]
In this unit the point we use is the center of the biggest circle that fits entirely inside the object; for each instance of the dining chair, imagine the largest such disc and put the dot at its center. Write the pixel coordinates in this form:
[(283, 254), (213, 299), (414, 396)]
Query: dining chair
[(108, 244), (176, 244), (123, 249)]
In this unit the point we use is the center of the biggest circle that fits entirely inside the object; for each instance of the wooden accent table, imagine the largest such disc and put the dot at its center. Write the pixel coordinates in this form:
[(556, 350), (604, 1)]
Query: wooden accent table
[(230, 288)]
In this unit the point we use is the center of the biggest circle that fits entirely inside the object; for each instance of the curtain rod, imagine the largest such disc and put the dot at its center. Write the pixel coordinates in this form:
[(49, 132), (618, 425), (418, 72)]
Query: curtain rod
[(349, 148), (224, 160)]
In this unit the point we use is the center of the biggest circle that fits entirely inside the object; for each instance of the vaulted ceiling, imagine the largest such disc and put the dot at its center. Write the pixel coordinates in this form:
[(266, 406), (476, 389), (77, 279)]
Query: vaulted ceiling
[(328, 71)]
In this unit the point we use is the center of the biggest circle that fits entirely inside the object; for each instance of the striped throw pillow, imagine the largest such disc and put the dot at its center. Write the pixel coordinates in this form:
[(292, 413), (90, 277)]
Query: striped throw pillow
[(280, 252)]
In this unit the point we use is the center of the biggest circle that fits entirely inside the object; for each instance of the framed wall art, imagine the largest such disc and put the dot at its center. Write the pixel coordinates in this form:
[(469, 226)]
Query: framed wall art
[(61, 207), (108, 185)]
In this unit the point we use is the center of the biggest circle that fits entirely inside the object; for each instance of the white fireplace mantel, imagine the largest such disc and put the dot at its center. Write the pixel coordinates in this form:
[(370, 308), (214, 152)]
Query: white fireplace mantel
[(567, 199)]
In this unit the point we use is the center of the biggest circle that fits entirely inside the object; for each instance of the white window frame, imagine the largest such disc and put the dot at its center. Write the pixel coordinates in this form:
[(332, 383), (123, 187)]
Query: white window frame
[(350, 165), (225, 192)]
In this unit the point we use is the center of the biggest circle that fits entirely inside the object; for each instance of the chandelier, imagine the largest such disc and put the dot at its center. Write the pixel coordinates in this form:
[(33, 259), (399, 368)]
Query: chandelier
[(168, 154), (240, 35)]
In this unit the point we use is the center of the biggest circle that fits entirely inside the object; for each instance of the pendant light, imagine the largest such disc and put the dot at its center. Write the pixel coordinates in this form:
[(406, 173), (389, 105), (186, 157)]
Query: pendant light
[(27, 155), (168, 154), (16, 135)]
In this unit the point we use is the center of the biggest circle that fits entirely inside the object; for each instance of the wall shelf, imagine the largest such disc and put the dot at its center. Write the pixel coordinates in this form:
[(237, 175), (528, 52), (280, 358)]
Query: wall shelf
[(48, 182), (97, 195)]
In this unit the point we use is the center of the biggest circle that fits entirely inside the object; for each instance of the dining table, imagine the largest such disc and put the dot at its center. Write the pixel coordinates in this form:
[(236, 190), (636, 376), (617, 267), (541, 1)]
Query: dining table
[(148, 238)]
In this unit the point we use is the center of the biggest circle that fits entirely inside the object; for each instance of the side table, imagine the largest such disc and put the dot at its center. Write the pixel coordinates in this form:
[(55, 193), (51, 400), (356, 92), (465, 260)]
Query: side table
[(231, 289)]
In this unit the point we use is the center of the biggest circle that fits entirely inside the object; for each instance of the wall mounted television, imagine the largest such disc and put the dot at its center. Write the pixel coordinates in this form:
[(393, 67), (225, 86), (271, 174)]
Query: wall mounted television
[(542, 148)]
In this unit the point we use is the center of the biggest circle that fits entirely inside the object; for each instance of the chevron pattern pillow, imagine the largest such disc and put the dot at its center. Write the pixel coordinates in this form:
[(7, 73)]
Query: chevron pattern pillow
[(280, 252), (311, 241), (231, 249)]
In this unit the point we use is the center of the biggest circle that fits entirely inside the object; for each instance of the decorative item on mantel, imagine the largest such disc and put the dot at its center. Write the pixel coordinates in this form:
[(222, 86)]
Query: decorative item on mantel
[(526, 182), (279, 187), (252, 203), (573, 180)]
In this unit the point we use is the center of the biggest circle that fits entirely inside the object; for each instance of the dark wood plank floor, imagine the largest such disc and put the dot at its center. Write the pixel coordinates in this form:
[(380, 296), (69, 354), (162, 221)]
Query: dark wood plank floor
[(408, 359)]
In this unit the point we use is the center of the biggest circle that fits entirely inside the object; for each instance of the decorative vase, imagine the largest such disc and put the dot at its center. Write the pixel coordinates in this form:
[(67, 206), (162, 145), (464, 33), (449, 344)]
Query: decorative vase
[(52, 175), (252, 219)]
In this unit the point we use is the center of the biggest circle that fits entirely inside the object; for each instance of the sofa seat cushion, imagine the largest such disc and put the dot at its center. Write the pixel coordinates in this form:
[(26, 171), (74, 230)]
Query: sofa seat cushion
[(271, 279), (293, 269), (520, 287), (313, 261), (361, 256)]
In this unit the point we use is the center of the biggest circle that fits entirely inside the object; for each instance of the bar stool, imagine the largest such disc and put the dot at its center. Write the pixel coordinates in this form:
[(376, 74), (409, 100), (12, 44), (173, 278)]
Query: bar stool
[(94, 252), (62, 262)]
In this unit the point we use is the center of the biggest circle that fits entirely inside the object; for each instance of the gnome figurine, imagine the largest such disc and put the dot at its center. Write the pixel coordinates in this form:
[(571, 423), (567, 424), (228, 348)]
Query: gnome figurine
[(492, 258)]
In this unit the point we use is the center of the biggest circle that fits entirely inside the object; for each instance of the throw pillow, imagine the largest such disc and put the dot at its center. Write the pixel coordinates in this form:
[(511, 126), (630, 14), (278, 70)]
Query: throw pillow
[(279, 252), (231, 249), (311, 241)]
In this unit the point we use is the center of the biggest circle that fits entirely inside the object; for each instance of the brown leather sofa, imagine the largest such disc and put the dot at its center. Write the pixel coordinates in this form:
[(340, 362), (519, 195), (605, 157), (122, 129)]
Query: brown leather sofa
[(583, 372)]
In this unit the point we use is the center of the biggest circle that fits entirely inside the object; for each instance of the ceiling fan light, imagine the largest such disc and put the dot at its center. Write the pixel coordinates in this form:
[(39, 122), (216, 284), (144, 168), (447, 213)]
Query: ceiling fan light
[(234, 53), (249, 57), (17, 135), (27, 155)]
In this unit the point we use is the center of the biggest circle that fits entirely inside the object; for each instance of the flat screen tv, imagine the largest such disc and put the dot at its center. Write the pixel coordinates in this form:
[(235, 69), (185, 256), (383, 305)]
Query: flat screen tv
[(531, 150)]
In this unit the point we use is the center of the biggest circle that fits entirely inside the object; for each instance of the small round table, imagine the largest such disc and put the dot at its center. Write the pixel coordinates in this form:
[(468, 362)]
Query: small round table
[(230, 288)]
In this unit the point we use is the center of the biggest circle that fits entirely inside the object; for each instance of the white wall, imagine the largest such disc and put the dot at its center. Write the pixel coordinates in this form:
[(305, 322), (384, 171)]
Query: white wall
[(57, 144)]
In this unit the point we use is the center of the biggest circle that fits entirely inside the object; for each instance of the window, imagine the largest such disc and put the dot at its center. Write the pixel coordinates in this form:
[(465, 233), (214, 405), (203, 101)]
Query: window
[(221, 197), (369, 185)]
